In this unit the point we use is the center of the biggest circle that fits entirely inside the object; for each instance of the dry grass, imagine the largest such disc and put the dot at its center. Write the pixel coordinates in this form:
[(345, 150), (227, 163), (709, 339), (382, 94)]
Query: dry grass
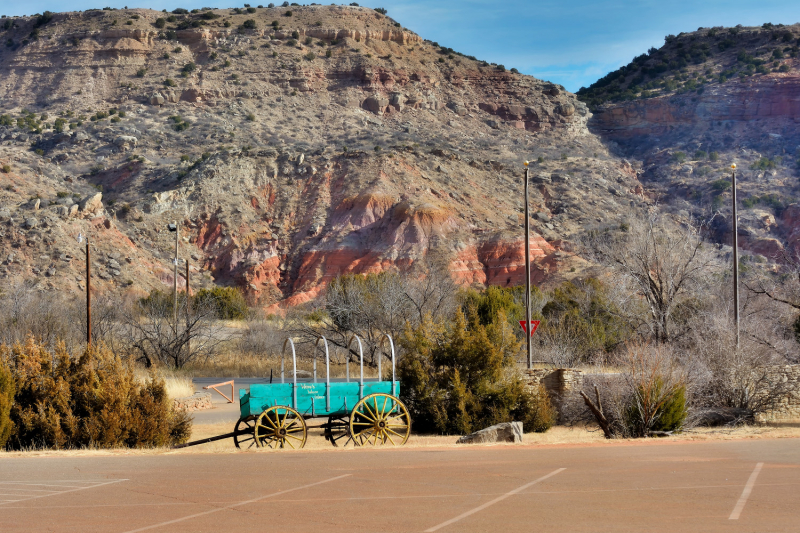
[(556, 436), (237, 365), (178, 385)]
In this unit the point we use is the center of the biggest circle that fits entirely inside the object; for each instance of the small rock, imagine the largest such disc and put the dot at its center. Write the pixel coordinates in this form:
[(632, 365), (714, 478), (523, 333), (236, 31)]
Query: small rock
[(157, 99), (504, 432), (50, 272), (30, 223)]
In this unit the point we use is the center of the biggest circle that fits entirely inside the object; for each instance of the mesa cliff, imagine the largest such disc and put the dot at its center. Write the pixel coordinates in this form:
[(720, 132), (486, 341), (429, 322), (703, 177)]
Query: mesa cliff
[(706, 100), (291, 145)]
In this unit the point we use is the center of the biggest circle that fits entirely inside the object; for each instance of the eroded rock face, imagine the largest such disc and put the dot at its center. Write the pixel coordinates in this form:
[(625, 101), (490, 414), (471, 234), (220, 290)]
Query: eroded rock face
[(774, 99)]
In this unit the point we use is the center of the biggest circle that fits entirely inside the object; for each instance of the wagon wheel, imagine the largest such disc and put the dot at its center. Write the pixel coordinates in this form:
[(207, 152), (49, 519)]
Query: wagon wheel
[(244, 434), (380, 419), (280, 427), (337, 430)]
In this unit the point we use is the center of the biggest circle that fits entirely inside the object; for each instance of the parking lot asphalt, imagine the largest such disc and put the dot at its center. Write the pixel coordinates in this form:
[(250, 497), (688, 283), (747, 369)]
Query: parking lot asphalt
[(732, 486)]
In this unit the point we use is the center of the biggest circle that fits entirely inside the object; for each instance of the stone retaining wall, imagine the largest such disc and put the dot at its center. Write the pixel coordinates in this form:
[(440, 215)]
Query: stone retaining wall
[(788, 404), (561, 381), (196, 402), (557, 382)]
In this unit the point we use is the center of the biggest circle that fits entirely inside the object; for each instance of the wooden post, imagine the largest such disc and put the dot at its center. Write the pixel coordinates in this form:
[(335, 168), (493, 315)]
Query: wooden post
[(175, 283), (188, 313), (527, 276), (88, 294), (735, 257)]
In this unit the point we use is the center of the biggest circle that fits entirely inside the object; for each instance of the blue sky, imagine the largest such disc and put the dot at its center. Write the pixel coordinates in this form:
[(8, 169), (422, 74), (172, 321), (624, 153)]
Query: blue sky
[(569, 42)]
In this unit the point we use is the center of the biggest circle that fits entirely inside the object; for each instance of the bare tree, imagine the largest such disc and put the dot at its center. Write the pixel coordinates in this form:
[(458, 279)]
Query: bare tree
[(664, 263), (430, 288), (152, 335), (46, 315)]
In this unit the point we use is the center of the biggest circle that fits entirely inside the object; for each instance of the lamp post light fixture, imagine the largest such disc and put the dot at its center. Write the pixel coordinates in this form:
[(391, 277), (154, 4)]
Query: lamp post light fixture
[(735, 255), (527, 276), (88, 290)]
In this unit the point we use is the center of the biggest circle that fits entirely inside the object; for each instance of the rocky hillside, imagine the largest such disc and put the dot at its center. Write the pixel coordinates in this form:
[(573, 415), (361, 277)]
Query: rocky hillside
[(703, 101), (291, 144)]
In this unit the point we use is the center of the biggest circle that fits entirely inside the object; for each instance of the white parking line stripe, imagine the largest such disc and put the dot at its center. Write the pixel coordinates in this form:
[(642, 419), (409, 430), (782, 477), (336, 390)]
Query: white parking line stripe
[(65, 491), (748, 488), (496, 500), (37, 484), (239, 504), (29, 490)]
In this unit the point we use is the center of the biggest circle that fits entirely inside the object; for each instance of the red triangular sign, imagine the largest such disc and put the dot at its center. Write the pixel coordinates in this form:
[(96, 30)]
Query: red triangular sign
[(534, 325)]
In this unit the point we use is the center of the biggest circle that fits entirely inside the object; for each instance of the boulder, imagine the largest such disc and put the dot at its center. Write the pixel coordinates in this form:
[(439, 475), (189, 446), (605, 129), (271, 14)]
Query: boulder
[(157, 99), (397, 100), (92, 203), (80, 137), (30, 223), (566, 109), (125, 140), (505, 432), (376, 104), (458, 108)]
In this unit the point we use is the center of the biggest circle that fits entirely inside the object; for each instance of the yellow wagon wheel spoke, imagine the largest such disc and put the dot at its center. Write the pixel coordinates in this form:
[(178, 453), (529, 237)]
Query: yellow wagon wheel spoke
[(279, 427), (380, 420)]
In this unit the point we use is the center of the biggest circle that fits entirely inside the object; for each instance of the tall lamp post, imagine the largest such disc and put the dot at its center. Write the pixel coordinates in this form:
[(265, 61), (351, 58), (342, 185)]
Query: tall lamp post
[(735, 256), (527, 275), (174, 228), (88, 290)]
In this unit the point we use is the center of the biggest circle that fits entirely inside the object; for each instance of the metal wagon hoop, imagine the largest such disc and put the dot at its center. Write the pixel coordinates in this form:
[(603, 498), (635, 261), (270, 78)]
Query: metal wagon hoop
[(380, 354), (361, 358), (327, 370), (294, 369)]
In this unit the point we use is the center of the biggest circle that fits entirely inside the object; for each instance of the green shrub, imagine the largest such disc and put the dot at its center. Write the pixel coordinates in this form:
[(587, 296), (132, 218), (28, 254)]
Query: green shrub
[(229, 302), (679, 157), (160, 22), (141, 72), (459, 379), (170, 83), (669, 408), (249, 24), (309, 56), (328, 53), (6, 400), (65, 400), (6, 169), (251, 117), (765, 163), (722, 184)]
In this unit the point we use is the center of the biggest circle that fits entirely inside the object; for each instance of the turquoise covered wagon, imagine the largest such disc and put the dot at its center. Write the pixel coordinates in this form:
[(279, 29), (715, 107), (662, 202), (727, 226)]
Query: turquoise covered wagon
[(362, 412)]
